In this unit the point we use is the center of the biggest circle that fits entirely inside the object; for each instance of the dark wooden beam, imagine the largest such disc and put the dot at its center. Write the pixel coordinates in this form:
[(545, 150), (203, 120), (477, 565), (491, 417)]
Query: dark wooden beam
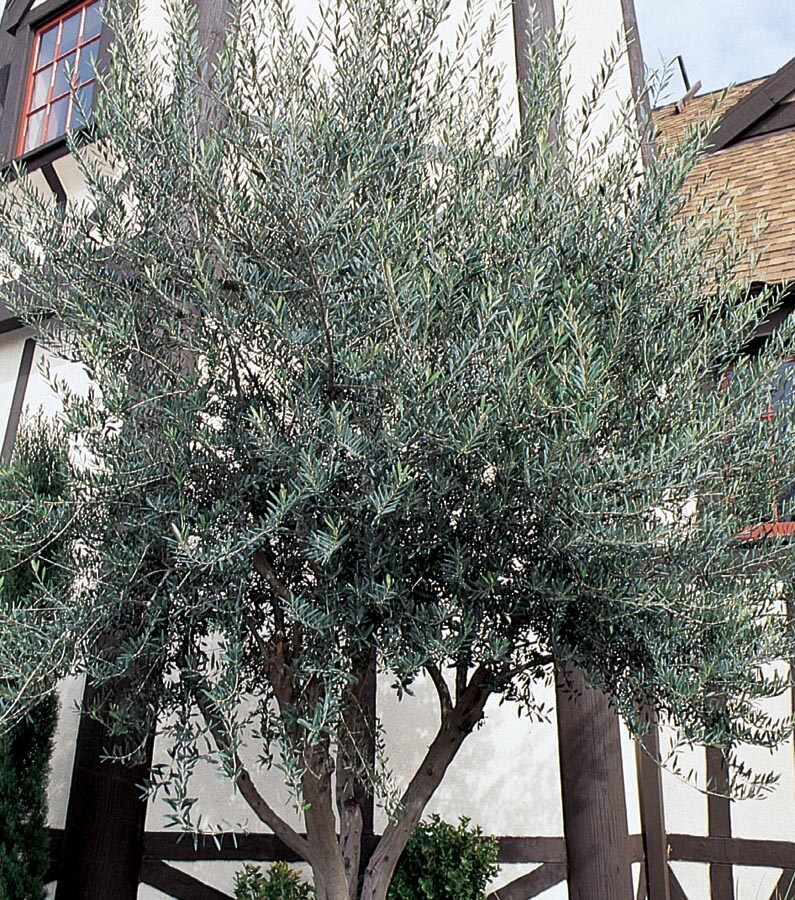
[(720, 821), (785, 886), (637, 76), (532, 849), (642, 893), (160, 845), (54, 183), (756, 104), (167, 845), (652, 816), (532, 19), (8, 321), (732, 851), (177, 884), (676, 889), (532, 884), (103, 837), (18, 399), (592, 789)]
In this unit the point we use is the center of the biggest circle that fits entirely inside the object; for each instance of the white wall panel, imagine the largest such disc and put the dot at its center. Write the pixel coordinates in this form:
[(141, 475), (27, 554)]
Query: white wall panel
[(10, 356)]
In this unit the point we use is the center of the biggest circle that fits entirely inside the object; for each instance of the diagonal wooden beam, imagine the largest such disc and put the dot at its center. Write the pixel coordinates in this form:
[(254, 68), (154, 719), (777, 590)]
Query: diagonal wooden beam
[(18, 399), (676, 889), (785, 886), (531, 884), (176, 883), (642, 893)]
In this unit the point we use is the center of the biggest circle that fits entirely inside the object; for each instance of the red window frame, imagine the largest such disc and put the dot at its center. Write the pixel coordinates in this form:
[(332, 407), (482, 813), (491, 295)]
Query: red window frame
[(61, 80), (774, 527)]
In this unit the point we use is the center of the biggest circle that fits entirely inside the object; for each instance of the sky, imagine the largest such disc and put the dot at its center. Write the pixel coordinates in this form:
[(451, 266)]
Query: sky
[(722, 41)]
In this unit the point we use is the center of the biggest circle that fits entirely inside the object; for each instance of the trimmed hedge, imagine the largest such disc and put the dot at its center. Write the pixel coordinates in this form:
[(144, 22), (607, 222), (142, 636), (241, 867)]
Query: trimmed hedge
[(279, 883), (445, 862)]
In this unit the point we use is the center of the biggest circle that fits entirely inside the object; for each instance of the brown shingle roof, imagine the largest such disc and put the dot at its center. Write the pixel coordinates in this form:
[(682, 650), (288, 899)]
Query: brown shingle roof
[(760, 173)]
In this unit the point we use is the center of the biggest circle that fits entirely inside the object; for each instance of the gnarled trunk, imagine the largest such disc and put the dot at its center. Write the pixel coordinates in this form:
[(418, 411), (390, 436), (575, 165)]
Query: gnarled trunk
[(328, 867), (457, 723)]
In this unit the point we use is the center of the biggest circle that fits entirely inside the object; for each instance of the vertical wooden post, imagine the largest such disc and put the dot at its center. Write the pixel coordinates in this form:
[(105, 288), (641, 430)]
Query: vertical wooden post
[(652, 816), (104, 834), (592, 788), (531, 21), (720, 823), (637, 75)]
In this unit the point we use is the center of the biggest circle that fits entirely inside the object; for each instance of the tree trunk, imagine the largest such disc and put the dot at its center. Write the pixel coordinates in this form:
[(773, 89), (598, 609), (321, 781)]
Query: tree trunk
[(592, 787), (356, 747), (457, 723), (328, 867)]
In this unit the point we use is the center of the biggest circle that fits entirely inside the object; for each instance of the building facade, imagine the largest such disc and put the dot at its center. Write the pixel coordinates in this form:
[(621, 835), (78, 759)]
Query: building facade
[(571, 793)]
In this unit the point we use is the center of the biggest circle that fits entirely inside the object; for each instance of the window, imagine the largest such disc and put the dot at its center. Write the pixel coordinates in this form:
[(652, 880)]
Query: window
[(61, 82), (782, 392)]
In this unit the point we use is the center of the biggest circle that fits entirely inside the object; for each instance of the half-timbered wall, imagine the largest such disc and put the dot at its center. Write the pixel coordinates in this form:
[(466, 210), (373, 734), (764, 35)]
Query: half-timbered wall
[(507, 777)]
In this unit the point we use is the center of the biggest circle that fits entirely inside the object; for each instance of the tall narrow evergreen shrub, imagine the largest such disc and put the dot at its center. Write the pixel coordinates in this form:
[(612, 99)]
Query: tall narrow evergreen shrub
[(38, 470), (24, 844)]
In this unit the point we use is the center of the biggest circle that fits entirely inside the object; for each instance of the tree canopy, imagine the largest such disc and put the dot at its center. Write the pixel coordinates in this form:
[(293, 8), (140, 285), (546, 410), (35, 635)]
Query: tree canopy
[(378, 377)]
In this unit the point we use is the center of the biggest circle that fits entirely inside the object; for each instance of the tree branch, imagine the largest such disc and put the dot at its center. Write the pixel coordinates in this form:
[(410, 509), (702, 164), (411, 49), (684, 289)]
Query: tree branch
[(280, 592), (456, 725), (445, 701), (460, 679), (248, 790)]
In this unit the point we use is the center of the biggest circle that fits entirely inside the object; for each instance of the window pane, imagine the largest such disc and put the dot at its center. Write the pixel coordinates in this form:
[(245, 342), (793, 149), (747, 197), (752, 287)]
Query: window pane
[(88, 59), (81, 108), (93, 23), (64, 69), (41, 88), (47, 44), (35, 130), (783, 385), (56, 125), (69, 33)]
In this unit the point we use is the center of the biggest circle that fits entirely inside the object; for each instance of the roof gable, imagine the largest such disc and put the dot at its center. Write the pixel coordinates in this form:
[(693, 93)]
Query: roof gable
[(765, 108)]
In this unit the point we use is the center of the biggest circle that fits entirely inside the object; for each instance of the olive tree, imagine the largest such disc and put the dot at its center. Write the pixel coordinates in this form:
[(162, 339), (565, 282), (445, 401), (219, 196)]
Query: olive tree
[(378, 377)]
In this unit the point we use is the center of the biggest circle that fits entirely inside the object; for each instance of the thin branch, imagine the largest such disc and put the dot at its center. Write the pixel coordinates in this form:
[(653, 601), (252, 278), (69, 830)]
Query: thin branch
[(461, 671), (265, 569), (445, 701), (248, 790), (280, 592)]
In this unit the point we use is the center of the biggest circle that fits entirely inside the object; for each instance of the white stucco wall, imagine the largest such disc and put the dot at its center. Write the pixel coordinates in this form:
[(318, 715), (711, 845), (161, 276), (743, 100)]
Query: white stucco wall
[(507, 777)]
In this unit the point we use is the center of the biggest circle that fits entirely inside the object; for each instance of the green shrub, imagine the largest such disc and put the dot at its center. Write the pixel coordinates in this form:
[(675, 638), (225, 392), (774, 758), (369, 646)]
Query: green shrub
[(24, 764), (39, 469), (445, 862), (280, 883)]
